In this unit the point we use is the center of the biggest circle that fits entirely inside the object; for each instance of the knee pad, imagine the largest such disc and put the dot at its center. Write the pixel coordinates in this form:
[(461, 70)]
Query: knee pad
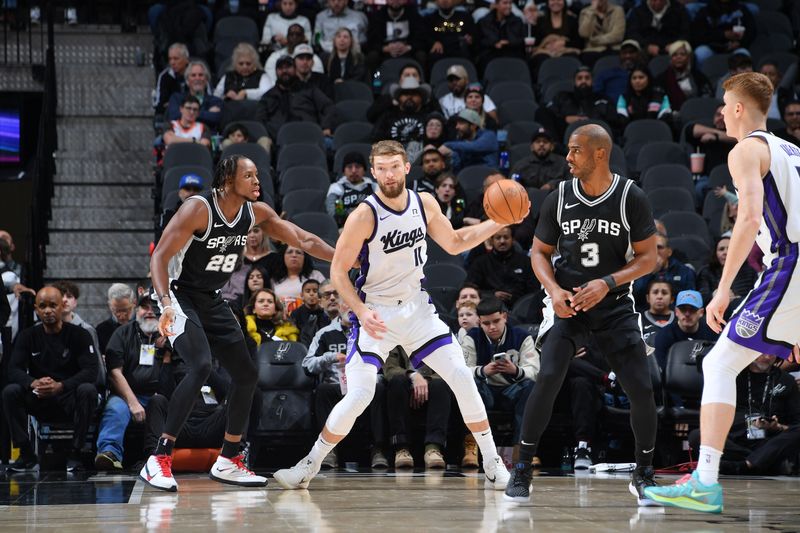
[(448, 362), (720, 368)]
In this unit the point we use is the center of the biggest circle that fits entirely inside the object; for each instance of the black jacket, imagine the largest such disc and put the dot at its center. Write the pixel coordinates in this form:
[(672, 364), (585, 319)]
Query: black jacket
[(298, 102), (510, 272), (406, 28), (674, 25), (123, 352), (353, 70)]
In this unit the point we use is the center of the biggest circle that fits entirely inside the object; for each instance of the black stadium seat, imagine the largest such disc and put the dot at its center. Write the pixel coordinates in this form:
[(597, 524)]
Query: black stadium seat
[(670, 200), (302, 177), (304, 201)]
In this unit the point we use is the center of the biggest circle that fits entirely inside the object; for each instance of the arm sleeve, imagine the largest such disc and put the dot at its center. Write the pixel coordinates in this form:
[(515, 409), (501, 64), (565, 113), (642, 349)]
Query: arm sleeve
[(639, 215), (547, 230), (82, 348)]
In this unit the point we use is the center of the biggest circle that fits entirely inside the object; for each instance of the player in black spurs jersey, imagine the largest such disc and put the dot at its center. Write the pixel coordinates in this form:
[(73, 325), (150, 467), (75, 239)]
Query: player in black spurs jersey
[(207, 236), (598, 229)]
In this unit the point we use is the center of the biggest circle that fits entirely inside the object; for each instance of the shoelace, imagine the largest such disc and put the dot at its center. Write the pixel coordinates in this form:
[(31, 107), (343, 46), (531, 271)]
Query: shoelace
[(238, 462), (165, 463)]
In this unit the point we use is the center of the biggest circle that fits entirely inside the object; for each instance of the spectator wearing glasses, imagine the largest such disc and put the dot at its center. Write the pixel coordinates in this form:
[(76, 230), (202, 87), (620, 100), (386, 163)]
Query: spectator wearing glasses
[(120, 303), (329, 302), (188, 129)]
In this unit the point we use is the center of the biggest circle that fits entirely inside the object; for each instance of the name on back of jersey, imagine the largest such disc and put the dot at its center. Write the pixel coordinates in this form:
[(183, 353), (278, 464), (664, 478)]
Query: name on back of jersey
[(583, 227), (225, 241), (396, 240)]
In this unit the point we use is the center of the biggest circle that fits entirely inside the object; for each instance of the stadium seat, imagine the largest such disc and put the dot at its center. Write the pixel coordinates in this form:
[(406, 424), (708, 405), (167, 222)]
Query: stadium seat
[(513, 110), (641, 132), (352, 132), (304, 201), (439, 70), (188, 154), (670, 200), (303, 177), (471, 179), (720, 176), (390, 69), (667, 175), (536, 196), (683, 378), (521, 131), (437, 255), (518, 152), (682, 224), (604, 63), (505, 91), (172, 178), (352, 110), (772, 22), (699, 108), (286, 391), (578, 123), (443, 298), (253, 151), (657, 153), (352, 90), (554, 87), (618, 163), (503, 69), (237, 111), (444, 275), (715, 67), (301, 155), (362, 148), (231, 31), (301, 133), (658, 65), (713, 209), (528, 308), (557, 68), (785, 60), (693, 248), (321, 224)]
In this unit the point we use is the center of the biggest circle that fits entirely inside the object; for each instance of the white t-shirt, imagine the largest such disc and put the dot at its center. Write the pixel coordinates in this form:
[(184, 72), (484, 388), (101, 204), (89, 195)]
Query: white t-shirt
[(452, 104)]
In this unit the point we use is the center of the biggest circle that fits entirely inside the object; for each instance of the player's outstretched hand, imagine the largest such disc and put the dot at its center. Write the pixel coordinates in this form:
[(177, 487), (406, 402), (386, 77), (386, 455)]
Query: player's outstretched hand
[(561, 306), (166, 321), (525, 213), (589, 294), (715, 310), (372, 324)]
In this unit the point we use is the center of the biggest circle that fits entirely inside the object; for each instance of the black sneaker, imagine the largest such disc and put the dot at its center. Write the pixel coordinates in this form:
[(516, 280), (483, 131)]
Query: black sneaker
[(583, 459), (74, 463), (25, 463), (519, 486), (642, 477)]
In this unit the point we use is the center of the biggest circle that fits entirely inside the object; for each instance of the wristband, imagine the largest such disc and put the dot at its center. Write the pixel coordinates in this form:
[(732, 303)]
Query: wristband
[(609, 280)]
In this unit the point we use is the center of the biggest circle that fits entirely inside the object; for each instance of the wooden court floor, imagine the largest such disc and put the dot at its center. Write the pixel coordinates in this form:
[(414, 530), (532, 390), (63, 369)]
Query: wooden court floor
[(379, 501)]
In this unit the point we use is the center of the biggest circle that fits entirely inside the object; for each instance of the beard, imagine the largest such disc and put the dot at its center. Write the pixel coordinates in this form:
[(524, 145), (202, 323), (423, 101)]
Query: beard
[(147, 325), (394, 191)]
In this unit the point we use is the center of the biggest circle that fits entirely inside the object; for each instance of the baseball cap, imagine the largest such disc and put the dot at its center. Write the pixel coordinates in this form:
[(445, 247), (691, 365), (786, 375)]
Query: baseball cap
[(190, 180), (631, 42), (542, 132), (470, 116), (303, 49), (474, 88), (145, 300), (284, 60), (692, 298), (458, 71)]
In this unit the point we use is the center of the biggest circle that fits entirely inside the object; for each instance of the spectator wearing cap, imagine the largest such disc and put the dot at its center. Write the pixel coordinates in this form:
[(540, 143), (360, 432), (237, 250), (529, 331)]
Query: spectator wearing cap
[(473, 99), (247, 79), (543, 168), (655, 24), (669, 269), (346, 62), (688, 326), (475, 145), (447, 32), (198, 79), (338, 15), (602, 25), (347, 192), (188, 129), (189, 185), (581, 103), (613, 81), (384, 102), (394, 31), (294, 37), (303, 67), (135, 355), (291, 101), (721, 27), (405, 122), (681, 80), (502, 33), (454, 101)]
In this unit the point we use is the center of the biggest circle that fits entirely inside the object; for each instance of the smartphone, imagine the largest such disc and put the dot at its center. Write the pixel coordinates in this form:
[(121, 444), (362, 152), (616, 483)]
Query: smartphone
[(498, 356)]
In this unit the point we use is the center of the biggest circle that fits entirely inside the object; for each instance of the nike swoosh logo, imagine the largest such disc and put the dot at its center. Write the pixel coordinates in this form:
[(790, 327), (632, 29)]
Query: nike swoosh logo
[(570, 206), (651, 450), (384, 218), (696, 494), (224, 469), (147, 470), (623, 295), (491, 479), (218, 225)]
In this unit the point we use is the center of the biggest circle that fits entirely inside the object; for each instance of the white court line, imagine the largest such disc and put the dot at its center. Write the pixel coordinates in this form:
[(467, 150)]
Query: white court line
[(136, 493)]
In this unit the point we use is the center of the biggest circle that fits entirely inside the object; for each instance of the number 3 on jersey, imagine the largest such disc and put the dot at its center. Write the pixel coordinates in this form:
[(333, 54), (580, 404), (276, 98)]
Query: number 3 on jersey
[(224, 263), (590, 254)]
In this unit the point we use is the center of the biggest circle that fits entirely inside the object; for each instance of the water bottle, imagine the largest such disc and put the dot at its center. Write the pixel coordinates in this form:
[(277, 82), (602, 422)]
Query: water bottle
[(502, 138), (377, 83), (504, 160), (339, 208)]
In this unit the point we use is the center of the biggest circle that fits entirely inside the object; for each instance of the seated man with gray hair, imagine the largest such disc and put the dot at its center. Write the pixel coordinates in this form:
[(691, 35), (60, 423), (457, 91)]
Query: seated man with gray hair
[(120, 303)]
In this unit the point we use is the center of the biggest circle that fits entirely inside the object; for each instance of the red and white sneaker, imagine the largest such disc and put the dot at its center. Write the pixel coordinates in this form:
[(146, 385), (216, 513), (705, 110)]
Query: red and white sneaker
[(234, 472), (157, 472)]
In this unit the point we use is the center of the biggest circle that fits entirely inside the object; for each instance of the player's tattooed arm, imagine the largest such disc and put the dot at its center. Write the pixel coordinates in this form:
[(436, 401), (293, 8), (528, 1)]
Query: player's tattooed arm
[(283, 230)]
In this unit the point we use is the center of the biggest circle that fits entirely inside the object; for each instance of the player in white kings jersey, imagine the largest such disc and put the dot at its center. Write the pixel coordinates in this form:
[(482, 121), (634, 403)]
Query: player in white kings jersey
[(386, 234), (765, 173)]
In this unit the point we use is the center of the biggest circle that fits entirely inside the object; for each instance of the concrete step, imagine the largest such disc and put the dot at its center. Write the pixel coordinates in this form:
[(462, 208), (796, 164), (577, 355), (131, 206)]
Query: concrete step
[(105, 135), (112, 196), (90, 265), (101, 218), (77, 167), (102, 90), (99, 242)]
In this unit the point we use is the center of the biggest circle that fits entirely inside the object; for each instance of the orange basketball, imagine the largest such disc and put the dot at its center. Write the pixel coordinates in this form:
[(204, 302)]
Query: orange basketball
[(505, 201)]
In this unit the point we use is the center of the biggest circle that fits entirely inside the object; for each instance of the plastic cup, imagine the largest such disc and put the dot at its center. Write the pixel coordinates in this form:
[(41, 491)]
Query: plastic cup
[(340, 371), (530, 41), (698, 161)]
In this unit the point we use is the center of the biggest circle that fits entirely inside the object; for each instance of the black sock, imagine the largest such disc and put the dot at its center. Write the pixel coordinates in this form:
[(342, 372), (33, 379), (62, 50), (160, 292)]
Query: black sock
[(229, 449), (526, 453), (164, 446), (26, 451)]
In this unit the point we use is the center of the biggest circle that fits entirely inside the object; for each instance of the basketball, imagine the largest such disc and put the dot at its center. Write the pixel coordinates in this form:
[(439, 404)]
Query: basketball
[(505, 201)]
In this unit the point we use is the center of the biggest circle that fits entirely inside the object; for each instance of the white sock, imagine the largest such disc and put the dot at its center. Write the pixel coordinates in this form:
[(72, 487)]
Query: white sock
[(486, 444), (320, 449), (708, 465), (583, 444)]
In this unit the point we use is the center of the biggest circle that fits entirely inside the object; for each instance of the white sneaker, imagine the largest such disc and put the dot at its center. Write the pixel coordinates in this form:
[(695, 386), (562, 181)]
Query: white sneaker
[(497, 475), (157, 472), (298, 476), (233, 472)]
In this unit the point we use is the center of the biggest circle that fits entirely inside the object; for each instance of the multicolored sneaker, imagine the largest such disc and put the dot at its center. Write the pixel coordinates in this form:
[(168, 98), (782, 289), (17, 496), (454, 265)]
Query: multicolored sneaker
[(689, 493), (234, 472), (518, 488), (157, 472), (641, 478)]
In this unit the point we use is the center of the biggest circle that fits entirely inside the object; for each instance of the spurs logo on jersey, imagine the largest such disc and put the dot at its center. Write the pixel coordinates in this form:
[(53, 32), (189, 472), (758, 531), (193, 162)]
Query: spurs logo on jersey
[(207, 261), (392, 259), (593, 236)]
